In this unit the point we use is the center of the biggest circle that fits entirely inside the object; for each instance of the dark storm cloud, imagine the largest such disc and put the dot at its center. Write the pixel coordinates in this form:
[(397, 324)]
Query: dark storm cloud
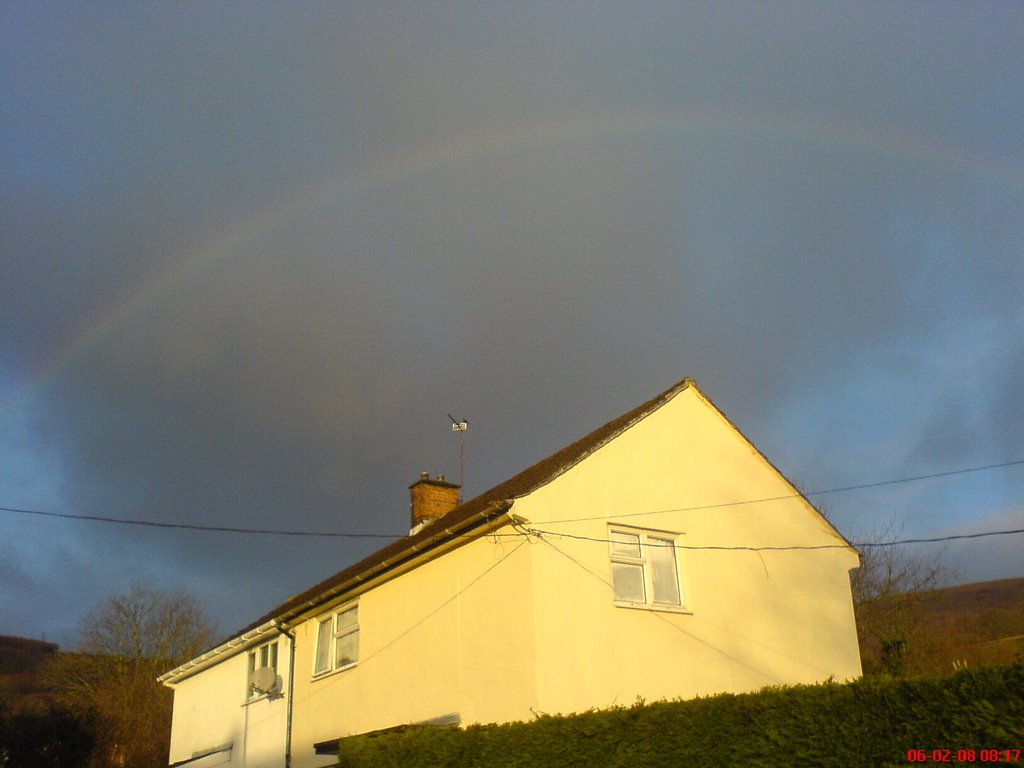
[(250, 264)]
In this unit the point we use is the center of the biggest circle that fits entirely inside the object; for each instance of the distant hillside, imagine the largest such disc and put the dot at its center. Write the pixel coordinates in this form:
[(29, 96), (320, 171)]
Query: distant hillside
[(976, 624), (22, 662), (993, 608)]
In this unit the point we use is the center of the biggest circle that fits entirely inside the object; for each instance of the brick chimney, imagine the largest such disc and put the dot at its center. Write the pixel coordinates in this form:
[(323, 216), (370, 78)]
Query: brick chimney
[(429, 499)]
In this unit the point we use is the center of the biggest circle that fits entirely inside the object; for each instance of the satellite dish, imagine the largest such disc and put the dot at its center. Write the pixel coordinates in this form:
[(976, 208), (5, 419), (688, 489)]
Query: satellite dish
[(264, 680)]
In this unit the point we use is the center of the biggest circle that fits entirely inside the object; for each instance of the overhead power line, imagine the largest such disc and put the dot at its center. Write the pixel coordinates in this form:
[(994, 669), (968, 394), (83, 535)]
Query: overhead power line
[(520, 532), (784, 497), (192, 527), (339, 535), (932, 476), (540, 533)]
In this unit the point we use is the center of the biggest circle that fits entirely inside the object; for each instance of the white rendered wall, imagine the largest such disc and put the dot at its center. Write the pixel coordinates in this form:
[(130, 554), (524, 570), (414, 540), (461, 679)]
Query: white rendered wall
[(210, 710), (752, 618)]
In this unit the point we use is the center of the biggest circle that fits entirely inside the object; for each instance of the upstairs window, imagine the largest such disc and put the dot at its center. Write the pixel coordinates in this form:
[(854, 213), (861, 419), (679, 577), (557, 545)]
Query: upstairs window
[(264, 656), (645, 569), (337, 640)]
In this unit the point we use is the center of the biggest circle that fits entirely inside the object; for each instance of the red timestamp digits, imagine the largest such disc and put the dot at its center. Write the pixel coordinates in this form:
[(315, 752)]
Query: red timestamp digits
[(963, 755)]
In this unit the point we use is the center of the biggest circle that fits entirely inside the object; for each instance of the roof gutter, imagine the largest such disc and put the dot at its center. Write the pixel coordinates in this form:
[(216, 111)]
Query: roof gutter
[(412, 552), (489, 514), (235, 644)]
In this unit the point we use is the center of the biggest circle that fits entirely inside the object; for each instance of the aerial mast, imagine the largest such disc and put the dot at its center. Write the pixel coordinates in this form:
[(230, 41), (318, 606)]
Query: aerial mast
[(460, 427)]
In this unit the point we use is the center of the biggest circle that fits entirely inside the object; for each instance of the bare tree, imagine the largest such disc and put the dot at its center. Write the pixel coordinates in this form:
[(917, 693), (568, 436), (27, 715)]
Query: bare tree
[(127, 642), (886, 588)]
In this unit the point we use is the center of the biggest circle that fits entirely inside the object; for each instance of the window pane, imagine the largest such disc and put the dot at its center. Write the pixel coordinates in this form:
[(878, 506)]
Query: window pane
[(348, 618), (347, 649), (662, 556), (625, 544), (249, 692), (272, 662), (628, 581), (323, 646)]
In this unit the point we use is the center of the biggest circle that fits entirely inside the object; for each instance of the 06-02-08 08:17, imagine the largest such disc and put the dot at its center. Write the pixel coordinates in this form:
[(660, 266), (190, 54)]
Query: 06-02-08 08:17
[(963, 755)]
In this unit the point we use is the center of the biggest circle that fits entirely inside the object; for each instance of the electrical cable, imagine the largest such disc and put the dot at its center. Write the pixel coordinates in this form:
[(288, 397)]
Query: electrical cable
[(521, 532), (540, 533), (798, 495), (450, 600), (339, 535), (192, 527)]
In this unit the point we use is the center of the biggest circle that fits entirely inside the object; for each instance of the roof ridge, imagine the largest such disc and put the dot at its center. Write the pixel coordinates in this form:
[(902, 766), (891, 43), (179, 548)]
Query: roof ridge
[(547, 469)]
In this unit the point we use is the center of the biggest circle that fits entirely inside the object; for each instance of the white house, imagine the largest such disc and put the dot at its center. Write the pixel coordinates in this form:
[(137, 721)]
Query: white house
[(661, 556)]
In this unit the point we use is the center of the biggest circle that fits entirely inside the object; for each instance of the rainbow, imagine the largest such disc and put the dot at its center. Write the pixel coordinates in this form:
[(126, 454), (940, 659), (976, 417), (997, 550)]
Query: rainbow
[(345, 185)]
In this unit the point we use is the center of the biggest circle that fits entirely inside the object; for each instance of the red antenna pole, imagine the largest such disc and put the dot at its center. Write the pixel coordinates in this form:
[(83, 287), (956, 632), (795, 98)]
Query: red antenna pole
[(460, 427)]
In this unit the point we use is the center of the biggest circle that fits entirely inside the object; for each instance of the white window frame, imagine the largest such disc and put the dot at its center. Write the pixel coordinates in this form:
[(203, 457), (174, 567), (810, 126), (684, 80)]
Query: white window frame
[(336, 633), (265, 655), (651, 546)]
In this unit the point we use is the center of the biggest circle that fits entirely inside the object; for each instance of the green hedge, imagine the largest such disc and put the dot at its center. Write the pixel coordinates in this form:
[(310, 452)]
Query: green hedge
[(870, 722)]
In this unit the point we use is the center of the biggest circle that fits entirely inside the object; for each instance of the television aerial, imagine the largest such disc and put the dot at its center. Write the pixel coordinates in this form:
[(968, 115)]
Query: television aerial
[(460, 426)]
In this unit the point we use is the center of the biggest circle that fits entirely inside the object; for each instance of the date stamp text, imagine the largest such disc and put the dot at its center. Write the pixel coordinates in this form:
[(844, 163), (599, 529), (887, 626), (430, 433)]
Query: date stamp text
[(963, 755)]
